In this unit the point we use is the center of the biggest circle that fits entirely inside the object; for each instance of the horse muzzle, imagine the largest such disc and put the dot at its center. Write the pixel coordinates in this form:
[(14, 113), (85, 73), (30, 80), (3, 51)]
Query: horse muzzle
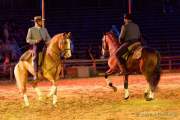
[(68, 54)]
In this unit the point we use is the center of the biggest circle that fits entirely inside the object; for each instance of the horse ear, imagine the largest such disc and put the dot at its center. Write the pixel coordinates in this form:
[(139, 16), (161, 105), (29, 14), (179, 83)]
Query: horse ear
[(64, 34), (105, 33), (68, 34)]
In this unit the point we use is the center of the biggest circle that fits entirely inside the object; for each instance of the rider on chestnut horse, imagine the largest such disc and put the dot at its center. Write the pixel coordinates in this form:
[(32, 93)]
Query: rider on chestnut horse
[(130, 33)]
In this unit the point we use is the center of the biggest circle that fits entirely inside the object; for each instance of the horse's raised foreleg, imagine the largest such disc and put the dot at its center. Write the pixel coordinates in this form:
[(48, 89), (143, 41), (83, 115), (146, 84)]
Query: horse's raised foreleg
[(108, 81), (126, 91)]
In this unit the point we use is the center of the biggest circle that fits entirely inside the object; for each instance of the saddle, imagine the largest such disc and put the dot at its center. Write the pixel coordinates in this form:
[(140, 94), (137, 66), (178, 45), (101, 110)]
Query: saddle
[(135, 50)]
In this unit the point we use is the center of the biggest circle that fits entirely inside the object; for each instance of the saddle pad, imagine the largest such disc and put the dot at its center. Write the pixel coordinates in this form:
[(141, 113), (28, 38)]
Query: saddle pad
[(137, 53), (134, 45)]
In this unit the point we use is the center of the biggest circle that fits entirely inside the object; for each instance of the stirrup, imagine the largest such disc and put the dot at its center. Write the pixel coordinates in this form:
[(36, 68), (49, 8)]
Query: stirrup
[(121, 72)]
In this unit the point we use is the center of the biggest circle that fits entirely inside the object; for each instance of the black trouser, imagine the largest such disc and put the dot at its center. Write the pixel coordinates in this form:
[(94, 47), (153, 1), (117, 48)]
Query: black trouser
[(123, 49), (37, 48)]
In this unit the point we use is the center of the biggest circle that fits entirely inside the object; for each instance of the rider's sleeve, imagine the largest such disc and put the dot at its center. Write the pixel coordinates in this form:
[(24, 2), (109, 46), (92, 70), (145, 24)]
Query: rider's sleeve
[(122, 34), (47, 35), (29, 37)]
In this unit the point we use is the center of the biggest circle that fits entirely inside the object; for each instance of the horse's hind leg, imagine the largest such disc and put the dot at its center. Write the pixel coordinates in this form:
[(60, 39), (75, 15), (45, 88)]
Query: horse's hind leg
[(149, 92), (21, 78)]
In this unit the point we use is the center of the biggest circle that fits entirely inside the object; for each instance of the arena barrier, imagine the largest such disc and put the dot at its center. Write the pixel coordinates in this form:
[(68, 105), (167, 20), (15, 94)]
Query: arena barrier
[(168, 63)]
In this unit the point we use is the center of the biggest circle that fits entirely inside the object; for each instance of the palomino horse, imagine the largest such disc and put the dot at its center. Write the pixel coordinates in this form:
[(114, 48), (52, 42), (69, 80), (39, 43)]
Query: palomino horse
[(148, 64), (59, 46)]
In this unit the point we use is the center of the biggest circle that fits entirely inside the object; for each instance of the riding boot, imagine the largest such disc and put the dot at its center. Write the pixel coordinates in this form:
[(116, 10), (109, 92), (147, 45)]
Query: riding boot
[(35, 61), (41, 59), (40, 62), (35, 65), (121, 67), (35, 77)]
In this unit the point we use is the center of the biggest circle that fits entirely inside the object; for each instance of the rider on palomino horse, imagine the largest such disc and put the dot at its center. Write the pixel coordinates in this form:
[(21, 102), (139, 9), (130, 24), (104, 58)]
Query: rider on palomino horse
[(130, 33), (37, 36)]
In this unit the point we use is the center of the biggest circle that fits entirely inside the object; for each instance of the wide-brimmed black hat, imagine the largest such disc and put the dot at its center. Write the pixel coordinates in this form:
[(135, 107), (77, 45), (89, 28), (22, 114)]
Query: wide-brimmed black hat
[(36, 18)]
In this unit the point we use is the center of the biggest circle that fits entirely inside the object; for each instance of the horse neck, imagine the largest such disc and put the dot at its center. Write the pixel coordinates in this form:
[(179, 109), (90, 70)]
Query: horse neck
[(53, 50), (113, 46)]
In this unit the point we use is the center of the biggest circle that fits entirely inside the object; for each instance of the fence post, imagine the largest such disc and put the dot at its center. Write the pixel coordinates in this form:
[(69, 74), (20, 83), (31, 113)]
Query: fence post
[(11, 72)]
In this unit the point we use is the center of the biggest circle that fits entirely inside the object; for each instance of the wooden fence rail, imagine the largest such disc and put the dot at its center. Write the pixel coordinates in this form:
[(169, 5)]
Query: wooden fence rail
[(167, 63)]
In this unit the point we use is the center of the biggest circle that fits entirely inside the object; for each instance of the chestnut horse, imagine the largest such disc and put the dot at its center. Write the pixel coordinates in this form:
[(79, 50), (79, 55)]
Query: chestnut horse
[(59, 46), (148, 64)]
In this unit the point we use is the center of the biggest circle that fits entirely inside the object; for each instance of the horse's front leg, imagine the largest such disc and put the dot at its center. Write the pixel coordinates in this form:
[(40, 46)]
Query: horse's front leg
[(126, 91), (53, 94), (109, 81), (38, 91)]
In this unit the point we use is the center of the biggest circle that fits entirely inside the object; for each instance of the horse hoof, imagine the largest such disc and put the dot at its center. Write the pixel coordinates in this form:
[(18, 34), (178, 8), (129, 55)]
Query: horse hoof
[(54, 105), (26, 106), (149, 99), (41, 98), (145, 95), (114, 88), (126, 98)]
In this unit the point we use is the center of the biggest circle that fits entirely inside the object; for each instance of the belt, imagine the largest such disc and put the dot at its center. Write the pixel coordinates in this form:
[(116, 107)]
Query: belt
[(132, 40)]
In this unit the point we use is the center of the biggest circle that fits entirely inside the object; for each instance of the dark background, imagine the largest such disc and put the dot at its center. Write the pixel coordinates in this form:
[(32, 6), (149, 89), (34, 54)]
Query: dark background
[(88, 19)]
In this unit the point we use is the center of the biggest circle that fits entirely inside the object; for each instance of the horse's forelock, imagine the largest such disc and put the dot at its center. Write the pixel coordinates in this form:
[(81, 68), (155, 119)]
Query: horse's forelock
[(112, 35)]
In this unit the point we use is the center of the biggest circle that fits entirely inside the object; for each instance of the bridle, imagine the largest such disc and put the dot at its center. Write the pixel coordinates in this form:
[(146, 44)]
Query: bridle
[(63, 43), (105, 47), (62, 53)]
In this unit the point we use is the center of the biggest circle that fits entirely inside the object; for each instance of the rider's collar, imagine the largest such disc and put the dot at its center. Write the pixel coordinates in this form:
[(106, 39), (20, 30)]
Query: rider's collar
[(37, 26), (128, 21)]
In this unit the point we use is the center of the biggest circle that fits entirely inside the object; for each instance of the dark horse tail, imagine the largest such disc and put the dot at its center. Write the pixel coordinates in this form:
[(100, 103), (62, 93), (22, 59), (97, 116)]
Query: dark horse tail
[(152, 70)]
